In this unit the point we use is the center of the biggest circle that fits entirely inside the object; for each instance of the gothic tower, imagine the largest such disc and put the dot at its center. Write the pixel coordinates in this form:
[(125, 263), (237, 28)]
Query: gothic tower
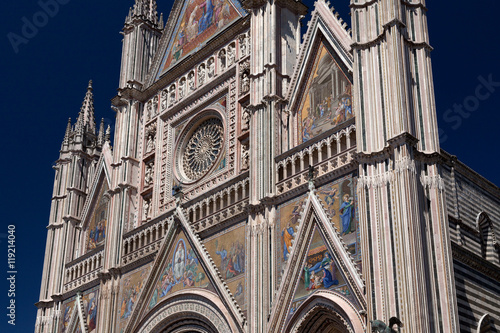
[(275, 40), (141, 34), (75, 168), (406, 245)]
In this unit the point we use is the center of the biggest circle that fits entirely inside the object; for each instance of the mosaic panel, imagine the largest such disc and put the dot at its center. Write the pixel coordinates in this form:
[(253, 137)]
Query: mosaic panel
[(200, 21), (96, 230), (130, 288), (183, 270), (327, 101), (227, 250)]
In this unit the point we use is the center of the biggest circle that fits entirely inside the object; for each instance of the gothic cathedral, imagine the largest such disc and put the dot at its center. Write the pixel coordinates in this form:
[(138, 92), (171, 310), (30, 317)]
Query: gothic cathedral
[(261, 180)]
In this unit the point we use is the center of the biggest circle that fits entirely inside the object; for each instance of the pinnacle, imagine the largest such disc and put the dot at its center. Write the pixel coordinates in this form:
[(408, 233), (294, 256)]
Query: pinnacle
[(145, 9), (86, 119)]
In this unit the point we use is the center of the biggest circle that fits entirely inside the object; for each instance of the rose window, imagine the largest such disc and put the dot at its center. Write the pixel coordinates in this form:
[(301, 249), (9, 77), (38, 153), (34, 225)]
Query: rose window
[(202, 149)]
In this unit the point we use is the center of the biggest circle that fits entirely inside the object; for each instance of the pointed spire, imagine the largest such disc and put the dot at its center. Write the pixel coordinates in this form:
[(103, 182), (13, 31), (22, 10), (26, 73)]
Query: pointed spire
[(100, 138), (67, 133), (86, 119)]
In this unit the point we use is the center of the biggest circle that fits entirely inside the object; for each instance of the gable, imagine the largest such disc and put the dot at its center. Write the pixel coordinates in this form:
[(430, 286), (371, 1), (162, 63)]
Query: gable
[(319, 270), (181, 270), (199, 22), (327, 97), (95, 231)]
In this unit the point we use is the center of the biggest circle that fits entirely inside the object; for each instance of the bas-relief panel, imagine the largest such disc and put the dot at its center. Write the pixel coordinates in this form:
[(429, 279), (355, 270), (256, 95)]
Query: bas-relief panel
[(96, 230), (130, 288), (319, 271), (183, 270), (227, 250), (200, 21), (328, 100)]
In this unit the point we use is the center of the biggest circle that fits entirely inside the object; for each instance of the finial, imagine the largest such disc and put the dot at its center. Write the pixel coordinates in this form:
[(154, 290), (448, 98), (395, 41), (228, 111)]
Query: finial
[(90, 85), (107, 137), (68, 132), (101, 137)]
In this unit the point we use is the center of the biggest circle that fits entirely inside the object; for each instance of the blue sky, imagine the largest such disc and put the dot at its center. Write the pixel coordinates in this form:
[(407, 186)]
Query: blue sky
[(44, 83)]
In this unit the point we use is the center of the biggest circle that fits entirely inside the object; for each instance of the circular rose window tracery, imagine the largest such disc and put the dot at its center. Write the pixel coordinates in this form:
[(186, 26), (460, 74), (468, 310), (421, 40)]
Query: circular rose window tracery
[(202, 149)]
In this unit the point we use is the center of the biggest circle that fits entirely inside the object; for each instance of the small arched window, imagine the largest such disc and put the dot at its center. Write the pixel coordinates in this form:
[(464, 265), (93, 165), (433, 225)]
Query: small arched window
[(489, 245), (486, 325)]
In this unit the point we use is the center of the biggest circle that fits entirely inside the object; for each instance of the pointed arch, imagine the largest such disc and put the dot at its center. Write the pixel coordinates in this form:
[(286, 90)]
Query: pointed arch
[(486, 324), (222, 301), (326, 311), (314, 215), (188, 311)]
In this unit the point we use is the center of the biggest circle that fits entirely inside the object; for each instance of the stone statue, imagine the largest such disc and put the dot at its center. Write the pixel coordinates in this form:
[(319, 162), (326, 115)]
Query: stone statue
[(201, 74), (150, 138), (230, 55), (148, 174), (245, 157), (164, 99), (211, 67), (155, 106), (222, 59), (149, 111), (172, 95), (245, 82), (381, 327), (245, 119), (182, 87), (191, 81), (243, 45), (146, 208)]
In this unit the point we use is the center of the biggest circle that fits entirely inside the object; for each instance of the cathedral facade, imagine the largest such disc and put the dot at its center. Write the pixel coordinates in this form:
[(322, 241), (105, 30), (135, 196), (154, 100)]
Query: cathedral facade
[(264, 181)]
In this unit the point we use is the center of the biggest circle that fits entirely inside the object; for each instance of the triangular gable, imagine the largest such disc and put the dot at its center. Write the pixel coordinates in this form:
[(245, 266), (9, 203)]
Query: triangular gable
[(320, 91), (181, 270), (171, 274), (314, 219), (96, 208), (192, 26), (319, 271)]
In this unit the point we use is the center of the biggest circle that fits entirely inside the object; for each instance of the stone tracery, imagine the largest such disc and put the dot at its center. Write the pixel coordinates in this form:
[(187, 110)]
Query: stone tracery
[(202, 148)]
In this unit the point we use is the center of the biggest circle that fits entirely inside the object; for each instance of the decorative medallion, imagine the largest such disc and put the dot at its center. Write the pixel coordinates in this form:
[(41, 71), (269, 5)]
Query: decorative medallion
[(202, 149)]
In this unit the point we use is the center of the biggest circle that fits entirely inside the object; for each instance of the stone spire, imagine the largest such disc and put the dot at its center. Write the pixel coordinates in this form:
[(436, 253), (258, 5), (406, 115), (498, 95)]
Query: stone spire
[(67, 133), (101, 135), (86, 119)]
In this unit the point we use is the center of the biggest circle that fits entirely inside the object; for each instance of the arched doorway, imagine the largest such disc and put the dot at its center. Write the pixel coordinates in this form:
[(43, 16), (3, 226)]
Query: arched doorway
[(199, 312)]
